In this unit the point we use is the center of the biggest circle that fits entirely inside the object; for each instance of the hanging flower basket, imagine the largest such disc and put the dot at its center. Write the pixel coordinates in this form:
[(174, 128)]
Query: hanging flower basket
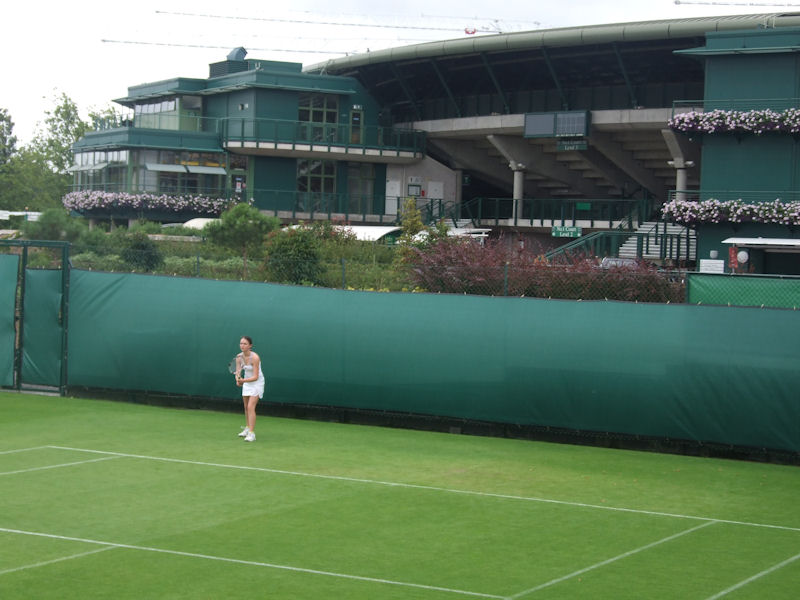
[(97, 202), (688, 212), (755, 122)]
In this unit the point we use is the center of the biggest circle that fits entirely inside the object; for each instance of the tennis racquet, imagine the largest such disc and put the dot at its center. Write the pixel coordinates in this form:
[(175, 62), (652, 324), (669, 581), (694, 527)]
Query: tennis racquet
[(235, 366)]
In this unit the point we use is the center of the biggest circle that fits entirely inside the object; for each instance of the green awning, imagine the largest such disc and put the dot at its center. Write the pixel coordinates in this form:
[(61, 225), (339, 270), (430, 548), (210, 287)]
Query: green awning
[(94, 167), (205, 170), (165, 168)]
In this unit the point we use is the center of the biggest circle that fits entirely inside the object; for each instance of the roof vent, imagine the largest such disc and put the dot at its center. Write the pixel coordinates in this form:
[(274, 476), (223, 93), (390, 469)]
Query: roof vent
[(237, 54)]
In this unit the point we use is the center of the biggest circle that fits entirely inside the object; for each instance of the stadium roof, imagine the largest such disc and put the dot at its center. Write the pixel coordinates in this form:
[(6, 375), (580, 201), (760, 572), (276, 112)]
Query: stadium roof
[(471, 94)]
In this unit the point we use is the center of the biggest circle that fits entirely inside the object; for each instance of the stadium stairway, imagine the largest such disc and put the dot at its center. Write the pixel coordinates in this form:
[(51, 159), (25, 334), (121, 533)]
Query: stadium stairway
[(652, 234)]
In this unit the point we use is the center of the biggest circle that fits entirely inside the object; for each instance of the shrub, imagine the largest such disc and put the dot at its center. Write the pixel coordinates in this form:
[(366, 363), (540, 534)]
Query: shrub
[(54, 224), (96, 262), (466, 267), (293, 256), (141, 253)]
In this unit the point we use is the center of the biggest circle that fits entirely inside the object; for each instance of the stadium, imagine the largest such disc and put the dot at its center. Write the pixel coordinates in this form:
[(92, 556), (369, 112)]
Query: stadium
[(646, 134)]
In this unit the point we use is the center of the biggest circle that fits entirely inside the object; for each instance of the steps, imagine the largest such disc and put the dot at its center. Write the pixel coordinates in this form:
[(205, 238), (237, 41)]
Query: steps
[(652, 235)]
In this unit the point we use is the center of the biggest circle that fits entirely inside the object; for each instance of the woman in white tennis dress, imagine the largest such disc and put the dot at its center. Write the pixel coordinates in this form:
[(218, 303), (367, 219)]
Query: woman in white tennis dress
[(252, 383)]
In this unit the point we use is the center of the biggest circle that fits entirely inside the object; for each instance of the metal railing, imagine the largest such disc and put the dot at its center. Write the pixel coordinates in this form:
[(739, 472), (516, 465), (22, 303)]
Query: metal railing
[(747, 196), (557, 211), (281, 130), (656, 243), (295, 205), (322, 134), (740, 104)]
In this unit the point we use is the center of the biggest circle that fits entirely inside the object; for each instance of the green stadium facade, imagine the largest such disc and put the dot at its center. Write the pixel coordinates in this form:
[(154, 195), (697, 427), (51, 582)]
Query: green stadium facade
[(537, 134)]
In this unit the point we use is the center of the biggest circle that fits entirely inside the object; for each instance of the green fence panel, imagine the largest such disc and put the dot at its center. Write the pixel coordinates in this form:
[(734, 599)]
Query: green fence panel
[(160, 334), (700, 373), (41, 328), (9, 267), (744, 290)]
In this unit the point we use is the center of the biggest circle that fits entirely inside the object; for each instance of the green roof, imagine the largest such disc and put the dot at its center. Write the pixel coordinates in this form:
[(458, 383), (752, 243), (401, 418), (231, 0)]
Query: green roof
[(561, 37)]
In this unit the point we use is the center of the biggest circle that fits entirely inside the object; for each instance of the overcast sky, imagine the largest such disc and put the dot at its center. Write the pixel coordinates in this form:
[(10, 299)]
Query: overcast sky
[(93, 50)]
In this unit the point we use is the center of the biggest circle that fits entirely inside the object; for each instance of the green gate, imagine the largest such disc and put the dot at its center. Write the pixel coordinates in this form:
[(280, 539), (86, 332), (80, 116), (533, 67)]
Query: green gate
[(34, 282)]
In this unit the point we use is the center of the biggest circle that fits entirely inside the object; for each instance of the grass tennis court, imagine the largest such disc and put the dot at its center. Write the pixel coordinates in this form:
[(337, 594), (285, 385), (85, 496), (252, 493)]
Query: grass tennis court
[(104, 499)]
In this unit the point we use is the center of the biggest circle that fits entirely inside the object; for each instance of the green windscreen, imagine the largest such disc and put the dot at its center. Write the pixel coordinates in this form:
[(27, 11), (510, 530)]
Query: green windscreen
[(744, 290), (42, 333), (9, 265), (703, 373)]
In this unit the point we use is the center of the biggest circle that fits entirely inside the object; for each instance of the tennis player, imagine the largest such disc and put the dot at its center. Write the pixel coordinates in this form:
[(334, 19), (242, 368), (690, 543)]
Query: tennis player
[(252, 384)]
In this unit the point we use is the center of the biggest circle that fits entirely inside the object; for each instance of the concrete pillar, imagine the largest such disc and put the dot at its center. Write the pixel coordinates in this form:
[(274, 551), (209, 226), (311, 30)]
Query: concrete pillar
[(680, 184), (519, 188), (680, 166)]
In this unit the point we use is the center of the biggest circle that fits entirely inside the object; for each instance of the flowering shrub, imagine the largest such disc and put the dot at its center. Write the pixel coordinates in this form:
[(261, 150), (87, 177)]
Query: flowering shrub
[(98, 201), (688, 212), (750, 121), (463, 266)]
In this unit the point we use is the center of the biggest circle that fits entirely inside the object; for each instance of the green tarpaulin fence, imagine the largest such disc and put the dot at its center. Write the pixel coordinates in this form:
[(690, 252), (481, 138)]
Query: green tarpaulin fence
[(744, 290), (9, 266), (700, 373)]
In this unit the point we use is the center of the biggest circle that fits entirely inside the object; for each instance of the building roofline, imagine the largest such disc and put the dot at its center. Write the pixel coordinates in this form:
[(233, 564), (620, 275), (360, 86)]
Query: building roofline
[(564, 36)]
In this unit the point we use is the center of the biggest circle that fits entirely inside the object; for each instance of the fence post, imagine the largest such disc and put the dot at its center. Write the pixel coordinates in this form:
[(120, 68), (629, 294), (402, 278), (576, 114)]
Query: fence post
[(344, 275), (505, 279)]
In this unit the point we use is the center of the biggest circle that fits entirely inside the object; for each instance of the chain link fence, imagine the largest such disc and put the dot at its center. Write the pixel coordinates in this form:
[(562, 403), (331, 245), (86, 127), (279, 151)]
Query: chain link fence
[(541, 280), (384, 273), (734, 289)]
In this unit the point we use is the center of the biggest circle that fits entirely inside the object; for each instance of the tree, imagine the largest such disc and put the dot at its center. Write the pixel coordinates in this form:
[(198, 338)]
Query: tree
[(35, 177), (107, 117), (8, 141), (242, 229), (63, 127), (415, 236), (28, 183)]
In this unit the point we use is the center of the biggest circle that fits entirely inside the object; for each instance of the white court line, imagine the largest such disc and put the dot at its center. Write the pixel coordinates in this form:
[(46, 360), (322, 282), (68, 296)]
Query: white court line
[(432, 488), (24, 449), (55, 560), (256, 564), (70, 464), (753, 578), (608, 561)]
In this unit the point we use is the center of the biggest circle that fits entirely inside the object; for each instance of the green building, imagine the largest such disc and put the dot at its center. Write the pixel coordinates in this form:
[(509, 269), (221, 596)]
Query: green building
[(264, 132), (748, 127)]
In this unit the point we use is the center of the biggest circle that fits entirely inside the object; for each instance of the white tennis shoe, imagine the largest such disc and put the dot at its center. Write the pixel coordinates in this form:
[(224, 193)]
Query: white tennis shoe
[(250, 437), (243, 432)]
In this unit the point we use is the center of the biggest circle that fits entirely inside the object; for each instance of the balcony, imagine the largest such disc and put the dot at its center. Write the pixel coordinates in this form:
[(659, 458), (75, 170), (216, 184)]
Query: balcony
[(262, 137), (274, 137)]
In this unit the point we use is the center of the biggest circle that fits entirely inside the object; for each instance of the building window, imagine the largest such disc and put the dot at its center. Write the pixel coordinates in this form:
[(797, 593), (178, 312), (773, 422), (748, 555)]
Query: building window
[(320, 114), (316, 185), (318, 108), (360, 187), (177, 173)]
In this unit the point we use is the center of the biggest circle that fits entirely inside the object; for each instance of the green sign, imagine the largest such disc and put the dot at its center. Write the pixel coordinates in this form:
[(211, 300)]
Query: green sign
[(562, 231), (566, 146)]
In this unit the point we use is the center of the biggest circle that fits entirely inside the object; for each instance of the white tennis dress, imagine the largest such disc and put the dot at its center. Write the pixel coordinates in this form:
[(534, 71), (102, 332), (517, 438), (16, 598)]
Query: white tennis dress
[(252, 388)]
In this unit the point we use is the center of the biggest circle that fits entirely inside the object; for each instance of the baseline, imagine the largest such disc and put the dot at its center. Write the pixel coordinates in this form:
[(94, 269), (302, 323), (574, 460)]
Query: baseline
[(256, 564), (432, 488)]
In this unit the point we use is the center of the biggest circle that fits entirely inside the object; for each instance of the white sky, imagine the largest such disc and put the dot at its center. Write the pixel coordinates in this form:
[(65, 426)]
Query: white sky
[(74, 47)]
